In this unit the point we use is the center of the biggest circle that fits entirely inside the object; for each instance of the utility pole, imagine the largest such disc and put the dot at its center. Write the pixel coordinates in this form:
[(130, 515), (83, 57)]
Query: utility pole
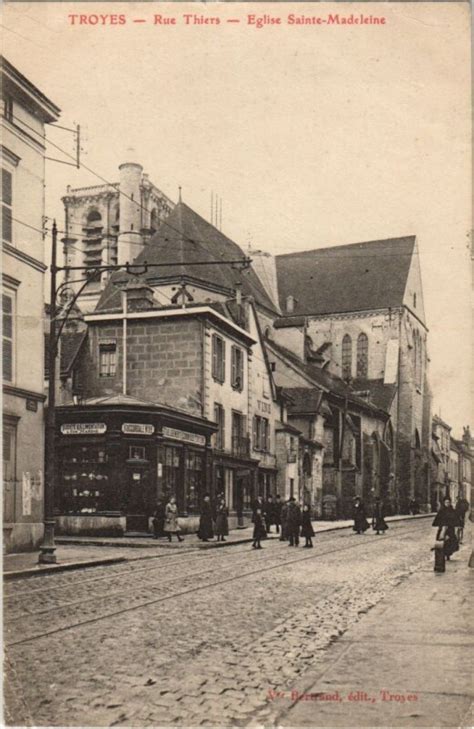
[(47, 548)]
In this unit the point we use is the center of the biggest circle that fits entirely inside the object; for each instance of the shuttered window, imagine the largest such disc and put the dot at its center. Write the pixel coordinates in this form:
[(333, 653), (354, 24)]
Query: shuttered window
[(219, 417), (218, 358), (108, 359), (8, 336), (7, 203), (237, 368)]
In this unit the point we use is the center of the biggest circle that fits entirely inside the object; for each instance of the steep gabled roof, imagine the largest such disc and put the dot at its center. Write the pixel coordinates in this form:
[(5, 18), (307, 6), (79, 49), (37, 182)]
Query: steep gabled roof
[(380, 394), (322, 378), (356, 277), (183, 239), (305, 401)]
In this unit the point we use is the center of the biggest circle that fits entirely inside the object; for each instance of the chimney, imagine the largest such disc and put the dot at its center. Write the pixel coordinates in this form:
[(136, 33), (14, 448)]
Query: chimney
[(139, 296)]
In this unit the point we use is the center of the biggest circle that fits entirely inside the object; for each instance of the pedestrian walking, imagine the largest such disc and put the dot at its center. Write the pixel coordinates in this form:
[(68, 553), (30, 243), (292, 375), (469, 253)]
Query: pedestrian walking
[(293, 523), (259, 531), (378, 521), (159, 519), (171, 525), (269, 514), (206, 529), (222, 522), (359, 515), (307, 530), (284, 520), (414, 507), (447, 521), (277, 507), (259, 504), (461, 509)]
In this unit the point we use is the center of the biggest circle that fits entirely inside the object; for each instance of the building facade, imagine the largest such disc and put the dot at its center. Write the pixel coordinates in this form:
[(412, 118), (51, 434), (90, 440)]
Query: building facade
[(26, 112)]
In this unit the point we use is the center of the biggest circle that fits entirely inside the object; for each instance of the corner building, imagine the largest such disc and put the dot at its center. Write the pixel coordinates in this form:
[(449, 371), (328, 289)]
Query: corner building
[(173, 366)]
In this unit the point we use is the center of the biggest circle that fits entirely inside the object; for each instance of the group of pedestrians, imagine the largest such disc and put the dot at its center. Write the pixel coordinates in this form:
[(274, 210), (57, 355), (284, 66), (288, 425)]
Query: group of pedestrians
[(290, 519), (359, 514)]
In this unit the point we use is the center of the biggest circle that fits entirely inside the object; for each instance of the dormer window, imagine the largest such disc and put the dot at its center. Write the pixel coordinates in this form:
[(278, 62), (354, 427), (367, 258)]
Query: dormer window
[(414, 301)]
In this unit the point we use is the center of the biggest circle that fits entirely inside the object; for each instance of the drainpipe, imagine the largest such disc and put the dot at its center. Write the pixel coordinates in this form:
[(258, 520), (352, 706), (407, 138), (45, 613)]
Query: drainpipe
[(124, 342)]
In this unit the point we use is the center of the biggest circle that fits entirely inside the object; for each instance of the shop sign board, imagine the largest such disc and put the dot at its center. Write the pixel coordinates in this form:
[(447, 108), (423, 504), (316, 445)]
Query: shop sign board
[(184, 436), (138, 429), (83, 428)]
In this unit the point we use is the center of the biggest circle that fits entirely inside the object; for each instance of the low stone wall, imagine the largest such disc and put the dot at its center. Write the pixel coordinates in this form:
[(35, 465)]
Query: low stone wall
[(22, 536), (91, 526)]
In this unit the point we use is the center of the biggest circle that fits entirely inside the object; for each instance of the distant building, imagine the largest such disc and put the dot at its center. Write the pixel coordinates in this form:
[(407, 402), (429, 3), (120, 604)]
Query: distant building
[(357, 312), (25, 112), (110, 224)]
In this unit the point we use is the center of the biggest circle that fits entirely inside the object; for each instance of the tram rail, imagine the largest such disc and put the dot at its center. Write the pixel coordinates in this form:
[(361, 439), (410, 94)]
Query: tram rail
[(206, 585)]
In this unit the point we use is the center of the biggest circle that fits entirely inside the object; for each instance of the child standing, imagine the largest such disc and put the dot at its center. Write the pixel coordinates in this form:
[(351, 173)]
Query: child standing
[(259, 531), (307, 530)]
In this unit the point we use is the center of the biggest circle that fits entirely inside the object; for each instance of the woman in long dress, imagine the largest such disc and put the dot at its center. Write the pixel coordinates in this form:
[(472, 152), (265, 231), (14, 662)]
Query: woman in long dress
[(222, 523), (447, 517), (171, 525), (360, 518), (307, 530), (206, 530)]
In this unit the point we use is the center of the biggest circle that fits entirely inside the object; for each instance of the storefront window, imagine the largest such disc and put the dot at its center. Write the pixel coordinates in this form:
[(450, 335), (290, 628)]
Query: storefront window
[(83, 480), (171, 470), (194, 480)]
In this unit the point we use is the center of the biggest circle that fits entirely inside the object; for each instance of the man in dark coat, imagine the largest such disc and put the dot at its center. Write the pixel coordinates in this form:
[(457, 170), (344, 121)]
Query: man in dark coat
[(378, 518), (277, 507), (461, 509), (159, 519), (293, 522), (284, 518), (447, 518), (206, 529)]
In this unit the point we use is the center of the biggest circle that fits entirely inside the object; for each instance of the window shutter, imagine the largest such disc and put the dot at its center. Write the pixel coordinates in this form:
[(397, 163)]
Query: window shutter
[(240, 372), (234, 373), (7, 194), (222, 427), (214, 355), (255, 432), (223, 361), (7, 360)]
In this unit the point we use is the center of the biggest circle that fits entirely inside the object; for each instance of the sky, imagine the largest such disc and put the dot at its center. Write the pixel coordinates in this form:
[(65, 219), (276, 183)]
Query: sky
[(312, 135)]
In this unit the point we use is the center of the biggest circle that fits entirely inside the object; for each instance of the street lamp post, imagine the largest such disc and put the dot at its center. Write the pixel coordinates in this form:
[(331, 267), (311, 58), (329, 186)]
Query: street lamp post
[(47, 548)]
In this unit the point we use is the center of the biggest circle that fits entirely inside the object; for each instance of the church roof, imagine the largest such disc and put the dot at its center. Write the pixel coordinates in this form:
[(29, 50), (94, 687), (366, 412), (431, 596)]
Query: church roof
[(380, 394), (355, 277), (183, 239)]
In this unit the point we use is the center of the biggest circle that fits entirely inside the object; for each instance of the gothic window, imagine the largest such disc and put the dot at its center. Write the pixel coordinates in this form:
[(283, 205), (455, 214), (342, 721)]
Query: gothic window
[(93, 239), (418, 358), (417, 440), (346, 356), (362, 355)]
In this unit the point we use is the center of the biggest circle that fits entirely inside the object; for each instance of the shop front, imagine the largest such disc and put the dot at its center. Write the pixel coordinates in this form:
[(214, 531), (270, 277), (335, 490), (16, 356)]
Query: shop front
[(116, 461), (237, 480)]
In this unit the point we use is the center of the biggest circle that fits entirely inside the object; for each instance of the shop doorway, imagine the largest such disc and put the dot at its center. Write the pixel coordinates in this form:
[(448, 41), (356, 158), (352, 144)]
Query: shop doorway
[(136, 497)]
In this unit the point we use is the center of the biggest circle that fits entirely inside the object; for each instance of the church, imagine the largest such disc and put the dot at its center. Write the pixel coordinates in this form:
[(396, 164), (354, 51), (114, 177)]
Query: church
[(357, 310)]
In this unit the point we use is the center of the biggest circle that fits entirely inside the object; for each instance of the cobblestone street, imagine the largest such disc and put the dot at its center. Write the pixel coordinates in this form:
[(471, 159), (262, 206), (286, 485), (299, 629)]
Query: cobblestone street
[(195, 639)]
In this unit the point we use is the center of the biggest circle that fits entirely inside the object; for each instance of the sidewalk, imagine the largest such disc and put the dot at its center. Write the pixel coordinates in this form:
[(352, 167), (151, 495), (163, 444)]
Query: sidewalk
[(79, 552), (416, 645)]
